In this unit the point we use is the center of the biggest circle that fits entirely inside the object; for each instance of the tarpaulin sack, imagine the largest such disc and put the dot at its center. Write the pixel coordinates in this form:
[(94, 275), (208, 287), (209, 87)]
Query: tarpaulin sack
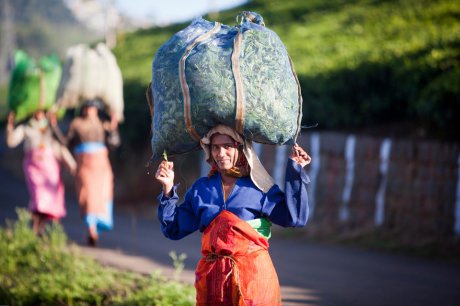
[(33, 87), (91, 74), (210, 73)]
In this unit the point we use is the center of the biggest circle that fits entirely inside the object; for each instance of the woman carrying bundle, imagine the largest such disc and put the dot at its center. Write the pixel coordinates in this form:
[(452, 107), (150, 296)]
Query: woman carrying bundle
[(234, 207), (43, 154), (88, 135)]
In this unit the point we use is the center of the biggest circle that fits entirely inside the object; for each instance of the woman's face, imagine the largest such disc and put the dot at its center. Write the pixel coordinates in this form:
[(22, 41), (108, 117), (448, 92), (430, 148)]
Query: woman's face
[(90, 111), (224, 151), (39, 115)]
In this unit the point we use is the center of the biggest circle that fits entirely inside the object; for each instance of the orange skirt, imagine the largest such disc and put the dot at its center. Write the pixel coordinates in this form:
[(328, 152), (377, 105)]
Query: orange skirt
[(94, 182), (236, 268)]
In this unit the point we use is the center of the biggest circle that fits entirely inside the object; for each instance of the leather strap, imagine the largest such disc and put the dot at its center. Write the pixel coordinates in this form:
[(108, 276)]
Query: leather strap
[(183, 82)]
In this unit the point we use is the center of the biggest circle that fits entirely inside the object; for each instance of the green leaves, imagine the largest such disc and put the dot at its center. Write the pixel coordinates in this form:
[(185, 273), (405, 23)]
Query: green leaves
[(46, 271), (210, 77), (33, 86), (359, 62)]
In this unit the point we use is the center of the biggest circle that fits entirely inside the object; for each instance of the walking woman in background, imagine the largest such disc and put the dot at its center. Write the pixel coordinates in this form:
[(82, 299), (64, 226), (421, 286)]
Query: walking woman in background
[(41, 167), (234, 207), (88, 136)]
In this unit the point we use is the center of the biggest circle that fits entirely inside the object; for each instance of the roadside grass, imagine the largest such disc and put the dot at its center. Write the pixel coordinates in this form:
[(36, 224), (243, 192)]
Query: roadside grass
[(47, 270)]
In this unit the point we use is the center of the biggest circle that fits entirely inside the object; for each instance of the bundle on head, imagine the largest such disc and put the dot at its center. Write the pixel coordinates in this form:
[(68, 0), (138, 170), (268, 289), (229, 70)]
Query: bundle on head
[(210, 73)]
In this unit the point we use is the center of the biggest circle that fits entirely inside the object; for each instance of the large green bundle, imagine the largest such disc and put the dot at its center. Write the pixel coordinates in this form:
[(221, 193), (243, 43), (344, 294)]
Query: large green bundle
[(210, 73), (91, 74), (33, 87)]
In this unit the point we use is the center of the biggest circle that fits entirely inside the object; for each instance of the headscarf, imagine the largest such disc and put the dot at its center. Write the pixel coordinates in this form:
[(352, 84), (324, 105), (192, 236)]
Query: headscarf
[(246, 162)]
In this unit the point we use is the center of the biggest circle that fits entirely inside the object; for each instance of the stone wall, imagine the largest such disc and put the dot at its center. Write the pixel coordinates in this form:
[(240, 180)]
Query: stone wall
[(362, 183), (359, 184)]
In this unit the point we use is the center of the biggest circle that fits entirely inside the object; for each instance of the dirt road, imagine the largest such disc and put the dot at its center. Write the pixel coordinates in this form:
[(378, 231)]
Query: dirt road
[(309, 274)]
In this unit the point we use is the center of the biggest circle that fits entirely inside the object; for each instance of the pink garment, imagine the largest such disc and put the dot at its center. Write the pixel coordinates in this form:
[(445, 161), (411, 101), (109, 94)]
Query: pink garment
[(43, 176)]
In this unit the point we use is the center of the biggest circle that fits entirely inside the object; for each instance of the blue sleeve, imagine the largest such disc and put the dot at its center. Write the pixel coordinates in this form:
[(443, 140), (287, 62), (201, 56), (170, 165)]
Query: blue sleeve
[(289, 208), (177, 221)]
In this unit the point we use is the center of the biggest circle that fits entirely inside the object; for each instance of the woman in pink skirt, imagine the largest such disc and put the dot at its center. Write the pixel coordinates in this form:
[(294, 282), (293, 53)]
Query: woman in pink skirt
[(43, 154)]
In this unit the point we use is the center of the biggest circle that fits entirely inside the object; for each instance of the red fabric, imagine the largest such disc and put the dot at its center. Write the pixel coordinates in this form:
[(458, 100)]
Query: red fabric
[(236, 268)]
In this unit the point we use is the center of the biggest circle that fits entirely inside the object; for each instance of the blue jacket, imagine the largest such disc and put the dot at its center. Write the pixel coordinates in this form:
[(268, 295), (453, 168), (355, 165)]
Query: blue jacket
[(204, 201)]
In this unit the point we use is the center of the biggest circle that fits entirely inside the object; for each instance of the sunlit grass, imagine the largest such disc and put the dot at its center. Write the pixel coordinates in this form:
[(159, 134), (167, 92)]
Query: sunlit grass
[(47, 271)]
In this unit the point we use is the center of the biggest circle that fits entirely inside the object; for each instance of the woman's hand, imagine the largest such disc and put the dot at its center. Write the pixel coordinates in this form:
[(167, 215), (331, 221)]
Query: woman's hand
[(113, 122), (52, 119), (300, 156), (165, 175), (73, 171), (10, 122)]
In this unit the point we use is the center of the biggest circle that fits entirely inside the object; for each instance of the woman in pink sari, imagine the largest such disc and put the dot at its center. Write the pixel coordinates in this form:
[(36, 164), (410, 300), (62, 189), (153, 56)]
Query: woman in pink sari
[(43, 154)]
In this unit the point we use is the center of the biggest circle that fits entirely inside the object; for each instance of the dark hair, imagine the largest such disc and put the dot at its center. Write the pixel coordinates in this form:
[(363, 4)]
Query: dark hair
[(93, 102), (97, 103)]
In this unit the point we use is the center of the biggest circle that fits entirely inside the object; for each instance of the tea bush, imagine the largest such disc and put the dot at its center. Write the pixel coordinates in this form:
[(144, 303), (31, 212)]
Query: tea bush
[(360, 63), (48, 271)]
